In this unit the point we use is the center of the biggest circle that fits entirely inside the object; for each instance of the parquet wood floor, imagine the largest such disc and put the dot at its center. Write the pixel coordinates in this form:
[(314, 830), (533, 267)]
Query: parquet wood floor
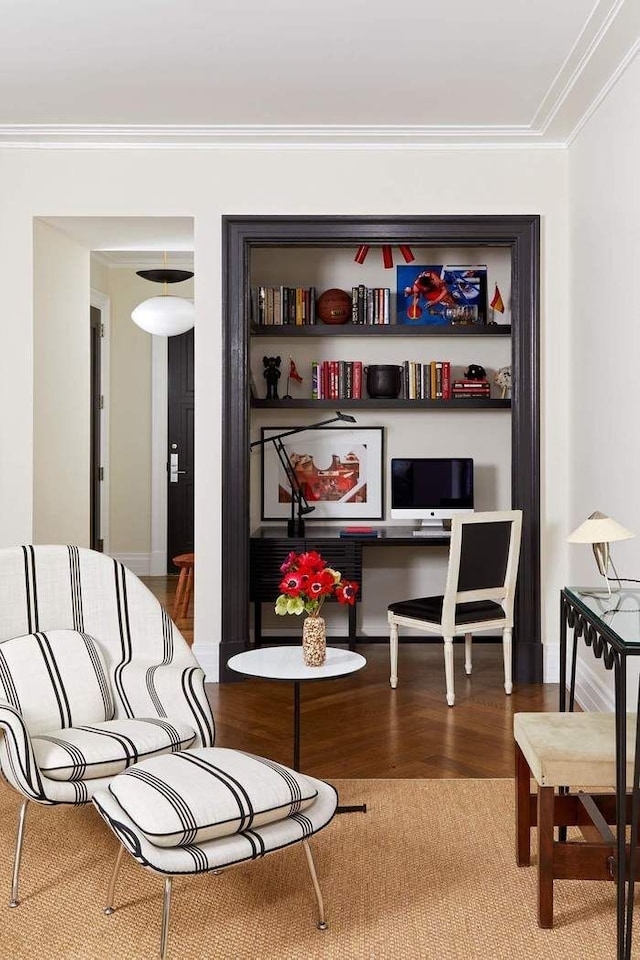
[(357, 727)]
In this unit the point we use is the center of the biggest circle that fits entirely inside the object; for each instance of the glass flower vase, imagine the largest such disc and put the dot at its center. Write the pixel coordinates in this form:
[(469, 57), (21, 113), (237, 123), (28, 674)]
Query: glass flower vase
[(314, 641)]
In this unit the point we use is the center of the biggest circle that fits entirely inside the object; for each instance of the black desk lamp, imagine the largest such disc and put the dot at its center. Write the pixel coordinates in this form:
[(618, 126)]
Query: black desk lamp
[(299, 505)]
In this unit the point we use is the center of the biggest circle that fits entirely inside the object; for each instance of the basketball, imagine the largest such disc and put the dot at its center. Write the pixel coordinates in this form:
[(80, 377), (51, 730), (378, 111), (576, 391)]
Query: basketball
[(334, 306)]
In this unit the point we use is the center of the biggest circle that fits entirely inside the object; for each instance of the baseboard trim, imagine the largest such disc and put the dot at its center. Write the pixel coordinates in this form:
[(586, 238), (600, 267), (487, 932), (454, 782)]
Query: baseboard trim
[(158, 563), (138, 563), (592, 693), (208, 657)]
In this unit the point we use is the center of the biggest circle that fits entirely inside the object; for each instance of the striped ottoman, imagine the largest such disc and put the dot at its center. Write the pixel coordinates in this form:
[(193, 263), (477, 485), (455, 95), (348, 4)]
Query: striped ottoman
[(210, 808)]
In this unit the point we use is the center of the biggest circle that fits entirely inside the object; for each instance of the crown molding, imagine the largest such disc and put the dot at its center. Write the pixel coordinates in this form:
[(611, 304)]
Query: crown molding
[(254, 136), (605, 47)]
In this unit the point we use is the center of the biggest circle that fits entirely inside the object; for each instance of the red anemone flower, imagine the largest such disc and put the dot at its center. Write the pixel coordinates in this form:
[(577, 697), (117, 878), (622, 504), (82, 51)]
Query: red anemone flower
[(346, 592), (292, 584)]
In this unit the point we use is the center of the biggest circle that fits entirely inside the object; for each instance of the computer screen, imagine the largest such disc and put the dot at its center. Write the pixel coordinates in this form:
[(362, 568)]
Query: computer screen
[(431, 489)]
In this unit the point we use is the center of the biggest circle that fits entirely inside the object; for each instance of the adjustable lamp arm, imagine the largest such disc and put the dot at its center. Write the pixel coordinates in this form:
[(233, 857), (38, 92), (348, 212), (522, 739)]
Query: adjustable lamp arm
[(299, 504), (345, 417)]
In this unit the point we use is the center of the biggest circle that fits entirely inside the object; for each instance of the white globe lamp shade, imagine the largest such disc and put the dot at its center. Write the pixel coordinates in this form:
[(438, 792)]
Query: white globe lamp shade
[(165, 316)]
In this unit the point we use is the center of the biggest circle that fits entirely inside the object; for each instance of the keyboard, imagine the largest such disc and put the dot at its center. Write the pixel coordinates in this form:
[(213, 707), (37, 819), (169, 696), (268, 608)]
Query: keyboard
[(434, 534)]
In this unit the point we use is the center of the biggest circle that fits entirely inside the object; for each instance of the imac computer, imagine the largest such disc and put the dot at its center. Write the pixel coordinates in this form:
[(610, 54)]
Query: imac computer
[(430, 490)]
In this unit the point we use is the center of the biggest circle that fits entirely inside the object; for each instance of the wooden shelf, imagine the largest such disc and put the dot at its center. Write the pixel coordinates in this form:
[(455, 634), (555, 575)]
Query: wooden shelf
[(380, 330), (474, 403)]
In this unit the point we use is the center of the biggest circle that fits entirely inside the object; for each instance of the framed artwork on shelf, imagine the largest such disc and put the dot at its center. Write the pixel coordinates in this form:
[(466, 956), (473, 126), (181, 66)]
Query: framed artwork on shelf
[(339, 469), (442, 295)]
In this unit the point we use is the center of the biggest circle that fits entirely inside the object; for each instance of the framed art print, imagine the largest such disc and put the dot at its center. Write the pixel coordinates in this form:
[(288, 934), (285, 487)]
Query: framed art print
[(442, 295), (339, 470)]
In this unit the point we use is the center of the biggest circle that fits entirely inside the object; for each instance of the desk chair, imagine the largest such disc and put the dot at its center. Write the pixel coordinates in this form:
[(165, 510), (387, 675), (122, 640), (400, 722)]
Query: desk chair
[(479, 592)]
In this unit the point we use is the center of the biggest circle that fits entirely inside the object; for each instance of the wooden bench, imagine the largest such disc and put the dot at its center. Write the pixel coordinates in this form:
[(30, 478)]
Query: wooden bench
[(567, 750)]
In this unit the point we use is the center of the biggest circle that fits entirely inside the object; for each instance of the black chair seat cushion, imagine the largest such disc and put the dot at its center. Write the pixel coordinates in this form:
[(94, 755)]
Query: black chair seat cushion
[(430, 609)]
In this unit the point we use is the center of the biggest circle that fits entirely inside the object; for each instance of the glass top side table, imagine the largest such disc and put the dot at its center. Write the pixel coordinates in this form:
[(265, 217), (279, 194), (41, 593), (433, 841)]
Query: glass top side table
[(610, 628)]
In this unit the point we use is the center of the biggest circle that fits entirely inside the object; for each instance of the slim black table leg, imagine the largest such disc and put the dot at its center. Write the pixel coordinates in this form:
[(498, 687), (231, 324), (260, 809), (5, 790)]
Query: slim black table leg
[(620, 683), (562, 831), (635, 810), (296, 725)]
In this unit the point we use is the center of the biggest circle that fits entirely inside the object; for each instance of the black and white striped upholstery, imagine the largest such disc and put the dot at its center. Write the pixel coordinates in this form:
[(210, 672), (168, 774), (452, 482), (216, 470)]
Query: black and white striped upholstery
[(207, 793), (94, 676), (248, 843)]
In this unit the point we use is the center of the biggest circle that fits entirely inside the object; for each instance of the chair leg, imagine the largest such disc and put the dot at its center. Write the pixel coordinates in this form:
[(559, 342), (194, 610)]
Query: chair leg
[(545, 856), (188, 590), (322, 923), (166, 908), (18, 855), (506, 654), (448, 669), (108, 910), (523, 809), (179, 597), (393, 653), (468, 637)]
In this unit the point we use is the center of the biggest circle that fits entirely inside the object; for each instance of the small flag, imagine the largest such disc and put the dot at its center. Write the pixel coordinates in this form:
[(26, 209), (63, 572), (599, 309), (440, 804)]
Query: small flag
[(497, 303), (293, 371)]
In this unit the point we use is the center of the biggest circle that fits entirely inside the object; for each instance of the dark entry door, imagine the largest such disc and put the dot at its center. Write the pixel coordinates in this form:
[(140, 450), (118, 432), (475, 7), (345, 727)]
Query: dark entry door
[(96, 473), (180, 474)]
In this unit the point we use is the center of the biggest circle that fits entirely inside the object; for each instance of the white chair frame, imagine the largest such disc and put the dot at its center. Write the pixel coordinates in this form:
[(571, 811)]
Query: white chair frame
[(447, 627)]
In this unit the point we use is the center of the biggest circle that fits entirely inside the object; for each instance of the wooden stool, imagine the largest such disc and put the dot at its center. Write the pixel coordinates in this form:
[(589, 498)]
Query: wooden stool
[(563, 750), (184, 591)]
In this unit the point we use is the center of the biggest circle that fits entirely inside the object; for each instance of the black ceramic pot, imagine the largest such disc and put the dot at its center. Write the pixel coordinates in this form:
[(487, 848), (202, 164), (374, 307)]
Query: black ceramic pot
[(384, 380)]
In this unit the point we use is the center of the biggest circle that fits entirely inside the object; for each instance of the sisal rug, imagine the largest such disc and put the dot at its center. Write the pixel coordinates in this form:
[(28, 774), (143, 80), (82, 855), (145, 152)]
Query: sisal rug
[(427, 874)]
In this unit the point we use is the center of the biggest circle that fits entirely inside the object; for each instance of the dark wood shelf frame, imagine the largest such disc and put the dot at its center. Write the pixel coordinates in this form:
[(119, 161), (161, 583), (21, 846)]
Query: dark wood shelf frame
[(473, 403), (521, 235), (378, 330)]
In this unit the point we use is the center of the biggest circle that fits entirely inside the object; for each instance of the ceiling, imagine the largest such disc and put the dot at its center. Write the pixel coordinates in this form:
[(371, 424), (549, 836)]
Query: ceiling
[(347, 71), (134, 242)]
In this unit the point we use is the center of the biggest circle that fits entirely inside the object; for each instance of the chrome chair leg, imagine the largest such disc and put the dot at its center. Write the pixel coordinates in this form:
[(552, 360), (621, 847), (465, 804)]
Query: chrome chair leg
[(322, 923), (17, 856), (112, 883), (166, 907)]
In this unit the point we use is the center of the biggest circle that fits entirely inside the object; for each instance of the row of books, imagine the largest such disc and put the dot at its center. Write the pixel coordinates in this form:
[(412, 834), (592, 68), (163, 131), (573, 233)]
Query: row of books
[(432, 381), (470, 388), (426, 381), (277, 306), (342, 380), (370, 305), (336, 380)]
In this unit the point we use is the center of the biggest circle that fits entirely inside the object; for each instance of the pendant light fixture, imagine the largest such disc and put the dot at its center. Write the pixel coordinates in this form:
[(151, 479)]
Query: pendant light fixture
[(166, 315)]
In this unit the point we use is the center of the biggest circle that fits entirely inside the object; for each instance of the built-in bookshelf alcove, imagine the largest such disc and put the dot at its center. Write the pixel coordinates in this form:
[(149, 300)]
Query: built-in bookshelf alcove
[(244, 237)]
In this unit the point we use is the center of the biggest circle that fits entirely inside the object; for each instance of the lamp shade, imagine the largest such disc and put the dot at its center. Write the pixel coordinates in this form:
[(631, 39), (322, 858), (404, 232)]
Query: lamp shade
[(165, 316), (599, 528)]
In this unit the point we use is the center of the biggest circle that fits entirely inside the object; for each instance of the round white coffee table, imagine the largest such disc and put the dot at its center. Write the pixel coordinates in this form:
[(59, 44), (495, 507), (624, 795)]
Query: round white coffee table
[(286, 663)]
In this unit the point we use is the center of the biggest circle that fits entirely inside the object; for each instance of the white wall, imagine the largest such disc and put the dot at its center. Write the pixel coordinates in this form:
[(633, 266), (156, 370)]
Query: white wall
[(61, 394), (605, 340), (207, 184)]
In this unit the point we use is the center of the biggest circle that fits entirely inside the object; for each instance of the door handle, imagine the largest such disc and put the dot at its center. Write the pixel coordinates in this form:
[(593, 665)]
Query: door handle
[(174, 473)]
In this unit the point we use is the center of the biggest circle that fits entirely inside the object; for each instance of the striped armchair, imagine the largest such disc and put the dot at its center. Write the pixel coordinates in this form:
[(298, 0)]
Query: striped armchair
[(94, 677)]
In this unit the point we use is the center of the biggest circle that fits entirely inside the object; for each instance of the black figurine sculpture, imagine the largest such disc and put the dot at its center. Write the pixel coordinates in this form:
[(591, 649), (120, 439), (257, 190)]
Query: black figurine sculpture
[(271, 375), (475, 372)]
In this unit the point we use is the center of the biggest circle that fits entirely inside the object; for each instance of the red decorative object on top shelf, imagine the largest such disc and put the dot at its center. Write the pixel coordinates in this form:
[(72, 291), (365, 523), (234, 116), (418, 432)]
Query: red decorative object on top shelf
[(387, 254)]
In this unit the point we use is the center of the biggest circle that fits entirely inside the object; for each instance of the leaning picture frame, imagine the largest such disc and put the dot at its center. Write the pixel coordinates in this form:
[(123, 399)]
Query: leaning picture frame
[(339, 469)]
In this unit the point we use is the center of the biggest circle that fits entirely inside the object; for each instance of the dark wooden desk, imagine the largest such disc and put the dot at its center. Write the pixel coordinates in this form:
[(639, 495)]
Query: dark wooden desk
[(269, 548)]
